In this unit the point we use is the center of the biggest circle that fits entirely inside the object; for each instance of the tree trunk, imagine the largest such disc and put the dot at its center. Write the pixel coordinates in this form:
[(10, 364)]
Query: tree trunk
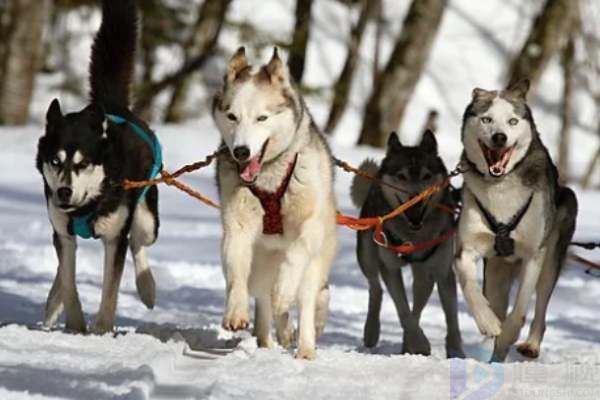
[(299, 43), (568, 65), (395, 85), (343, 86), (589, 172), (21, 56), (547, 36), (202, 41)]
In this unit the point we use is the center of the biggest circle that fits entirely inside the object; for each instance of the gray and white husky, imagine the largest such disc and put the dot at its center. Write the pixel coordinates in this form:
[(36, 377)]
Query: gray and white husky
[(278, 206), (515, 216), (411, 169)]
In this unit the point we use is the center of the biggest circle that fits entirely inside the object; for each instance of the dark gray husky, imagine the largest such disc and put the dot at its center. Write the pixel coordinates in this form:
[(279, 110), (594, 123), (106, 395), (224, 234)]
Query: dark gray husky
[(411, 169)]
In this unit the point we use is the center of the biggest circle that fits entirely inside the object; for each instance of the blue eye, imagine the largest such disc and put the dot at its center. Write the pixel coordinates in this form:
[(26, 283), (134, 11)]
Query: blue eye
[(513, 121), (55, 162), (486, 120)]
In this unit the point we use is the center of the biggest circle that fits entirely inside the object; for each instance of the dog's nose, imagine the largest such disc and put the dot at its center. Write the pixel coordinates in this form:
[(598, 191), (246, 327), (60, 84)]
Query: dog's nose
[(64, 194), (499, 139), (241, 153)]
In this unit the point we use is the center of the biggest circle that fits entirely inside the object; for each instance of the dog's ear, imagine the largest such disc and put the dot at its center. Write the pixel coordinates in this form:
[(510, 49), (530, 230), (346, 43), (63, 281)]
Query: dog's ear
[(429, 142), (54, 114), (479, 93), (237, 64), (394, 142), (519, 88), (276, 71), (96, 115)]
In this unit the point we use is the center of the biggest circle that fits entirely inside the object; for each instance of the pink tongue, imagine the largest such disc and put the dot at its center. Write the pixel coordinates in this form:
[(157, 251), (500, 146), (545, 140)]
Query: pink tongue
[(251, 170)]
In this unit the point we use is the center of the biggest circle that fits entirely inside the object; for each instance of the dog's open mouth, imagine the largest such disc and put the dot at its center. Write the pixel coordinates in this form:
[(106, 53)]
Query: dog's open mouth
[(497, 159), (415, 214), (250, 170)]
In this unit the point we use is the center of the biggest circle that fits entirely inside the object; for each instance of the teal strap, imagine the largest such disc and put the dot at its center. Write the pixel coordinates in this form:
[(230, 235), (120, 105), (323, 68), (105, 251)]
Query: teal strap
[(81, 226)]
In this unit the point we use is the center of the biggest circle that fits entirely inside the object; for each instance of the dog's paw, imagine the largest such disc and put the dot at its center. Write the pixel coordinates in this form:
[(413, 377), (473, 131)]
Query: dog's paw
[(236, 317), (529, 350), (287, 337), (281, 302), (306, 353), (102, 327), (416, 343), (487, 322), (146, 288), (76, 325)]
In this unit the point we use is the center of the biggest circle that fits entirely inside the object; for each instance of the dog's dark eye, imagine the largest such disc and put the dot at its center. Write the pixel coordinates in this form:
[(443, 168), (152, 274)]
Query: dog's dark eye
[(486, 120), (401, 176), (513, 121), (231, 117), (83, 164), (55, 162), (427, 176), (262, 118)]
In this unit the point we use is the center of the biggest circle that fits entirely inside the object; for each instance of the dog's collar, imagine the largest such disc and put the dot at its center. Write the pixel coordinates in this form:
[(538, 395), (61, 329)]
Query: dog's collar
[(410, 258), (504, 245), (271, 202)]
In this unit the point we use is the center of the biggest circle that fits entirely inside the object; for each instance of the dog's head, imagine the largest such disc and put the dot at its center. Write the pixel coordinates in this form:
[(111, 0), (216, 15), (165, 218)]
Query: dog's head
[(257, 112), (498, 128), (412, 169), (70, 155)]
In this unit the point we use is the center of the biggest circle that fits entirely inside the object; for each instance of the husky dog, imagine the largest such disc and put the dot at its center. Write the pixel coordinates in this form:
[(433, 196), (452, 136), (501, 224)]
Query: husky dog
[(83, 158), (515, 216), (412, 170), (278, 206)]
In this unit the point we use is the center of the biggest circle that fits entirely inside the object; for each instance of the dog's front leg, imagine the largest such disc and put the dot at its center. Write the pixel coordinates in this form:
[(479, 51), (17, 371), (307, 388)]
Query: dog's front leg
[(66, 247), (114, 262), (466, 269), (511, 327), (54, 303), (299, 257), (237, 261)]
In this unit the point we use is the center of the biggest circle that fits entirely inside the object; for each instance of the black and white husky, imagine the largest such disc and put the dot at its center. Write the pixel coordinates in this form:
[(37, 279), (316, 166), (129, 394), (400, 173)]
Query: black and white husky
[(83, 157), (515, 216), (411, 169)]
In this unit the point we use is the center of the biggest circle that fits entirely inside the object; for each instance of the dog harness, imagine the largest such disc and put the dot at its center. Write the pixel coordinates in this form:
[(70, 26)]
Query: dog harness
[(503, 243), (82, 225), (271, 202)]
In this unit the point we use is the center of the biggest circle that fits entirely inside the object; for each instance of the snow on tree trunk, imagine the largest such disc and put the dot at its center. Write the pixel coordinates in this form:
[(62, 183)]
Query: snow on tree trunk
[(203, 40), (396, 83), (21, 56), (300, 39), (548, 35), (568, 65), (342, 87)]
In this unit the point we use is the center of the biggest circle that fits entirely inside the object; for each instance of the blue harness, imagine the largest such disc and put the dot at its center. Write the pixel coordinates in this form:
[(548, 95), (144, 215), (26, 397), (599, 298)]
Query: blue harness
[(81, 226)]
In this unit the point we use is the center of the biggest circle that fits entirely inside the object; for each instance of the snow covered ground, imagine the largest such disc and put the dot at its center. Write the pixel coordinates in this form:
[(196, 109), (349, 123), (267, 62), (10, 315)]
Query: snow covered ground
[(179, 351)]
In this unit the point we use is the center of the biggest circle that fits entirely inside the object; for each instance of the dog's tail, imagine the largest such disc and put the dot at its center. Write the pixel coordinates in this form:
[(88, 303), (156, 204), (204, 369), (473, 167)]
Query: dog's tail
[(112, 63), (361, 186)]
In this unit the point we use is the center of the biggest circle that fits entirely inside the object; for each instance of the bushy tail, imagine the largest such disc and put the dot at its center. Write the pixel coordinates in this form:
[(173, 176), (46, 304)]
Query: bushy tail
[(360, 186), (113, 52)]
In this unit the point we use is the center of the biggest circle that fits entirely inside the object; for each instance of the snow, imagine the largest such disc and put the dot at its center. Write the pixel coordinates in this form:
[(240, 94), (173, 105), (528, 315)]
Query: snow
[(179, 351)]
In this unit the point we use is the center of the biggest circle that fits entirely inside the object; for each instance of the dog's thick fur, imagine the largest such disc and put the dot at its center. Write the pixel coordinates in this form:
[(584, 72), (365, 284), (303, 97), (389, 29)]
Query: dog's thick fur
[(412, 169), (542, 236), (253, 108), (83, 158)]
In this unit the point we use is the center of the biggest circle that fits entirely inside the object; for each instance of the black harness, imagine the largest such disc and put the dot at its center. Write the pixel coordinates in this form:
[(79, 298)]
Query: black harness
[(503, 243)]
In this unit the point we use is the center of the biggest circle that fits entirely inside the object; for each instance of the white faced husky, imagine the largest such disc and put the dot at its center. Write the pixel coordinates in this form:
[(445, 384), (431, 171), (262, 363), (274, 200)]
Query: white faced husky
[(515, 216), (278, 207)]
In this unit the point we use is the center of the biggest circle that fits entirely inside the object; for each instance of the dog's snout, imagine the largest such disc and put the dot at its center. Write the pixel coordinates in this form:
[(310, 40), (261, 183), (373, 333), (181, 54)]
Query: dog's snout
[(499, 139), (241, 153), (64, 194)]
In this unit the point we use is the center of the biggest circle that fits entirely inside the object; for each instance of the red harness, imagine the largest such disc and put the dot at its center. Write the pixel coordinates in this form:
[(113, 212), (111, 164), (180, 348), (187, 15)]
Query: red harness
[(271, 202)]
